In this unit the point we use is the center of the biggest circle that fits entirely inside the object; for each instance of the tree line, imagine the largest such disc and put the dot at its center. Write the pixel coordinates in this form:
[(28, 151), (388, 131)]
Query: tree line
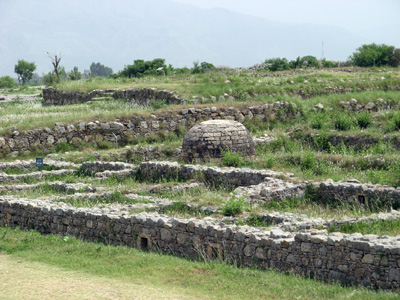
[(368, 55)]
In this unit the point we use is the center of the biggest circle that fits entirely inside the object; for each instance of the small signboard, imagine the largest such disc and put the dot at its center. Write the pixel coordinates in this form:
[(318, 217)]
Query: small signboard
[(39, 163)]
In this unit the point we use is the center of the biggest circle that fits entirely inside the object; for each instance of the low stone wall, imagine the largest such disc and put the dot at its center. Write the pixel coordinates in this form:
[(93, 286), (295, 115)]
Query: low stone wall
[(125, 130), (367, 260), (213, 175), (31, 164), (143, 96), (21, 177), (356, 193)]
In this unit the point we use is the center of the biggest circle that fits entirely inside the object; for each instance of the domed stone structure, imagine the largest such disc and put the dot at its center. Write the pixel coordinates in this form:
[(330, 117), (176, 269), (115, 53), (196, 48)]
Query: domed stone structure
[(204, 141)]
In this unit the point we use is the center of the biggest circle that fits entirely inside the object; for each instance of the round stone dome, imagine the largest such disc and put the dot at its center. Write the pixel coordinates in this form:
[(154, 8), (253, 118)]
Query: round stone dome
[(204, 141)]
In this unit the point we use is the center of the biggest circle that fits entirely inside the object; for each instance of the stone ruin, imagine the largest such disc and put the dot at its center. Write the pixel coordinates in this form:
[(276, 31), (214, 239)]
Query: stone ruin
[(206, 141)]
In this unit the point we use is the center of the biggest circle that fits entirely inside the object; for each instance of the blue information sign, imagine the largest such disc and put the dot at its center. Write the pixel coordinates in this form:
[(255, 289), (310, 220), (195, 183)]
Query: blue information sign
[(39, 163)]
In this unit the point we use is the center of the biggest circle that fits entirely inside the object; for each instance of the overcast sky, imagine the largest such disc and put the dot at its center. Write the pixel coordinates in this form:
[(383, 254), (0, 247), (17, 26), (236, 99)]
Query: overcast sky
[(350, 14), (182, 31)]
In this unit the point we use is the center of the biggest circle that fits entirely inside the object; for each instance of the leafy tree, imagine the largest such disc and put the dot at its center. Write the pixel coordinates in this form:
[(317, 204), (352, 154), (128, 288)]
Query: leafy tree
[(99, 70), (294, 64), (75, 74), (50, 79), (24, 70), (202, 67), (309, 62), (395, 58), (7, 82), (141, 67), (277, 64), (373, 55), (328, 63)]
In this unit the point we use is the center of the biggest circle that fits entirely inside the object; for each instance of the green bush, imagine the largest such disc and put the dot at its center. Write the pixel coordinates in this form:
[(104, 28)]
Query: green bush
[(63, 147), (321, 143), (229, 159), (277, 64), (319, 120), (343, 122), (308, 162), (364, 120), (283, 143), (392, 122), (233, 207), (104, 145), (7, 82)]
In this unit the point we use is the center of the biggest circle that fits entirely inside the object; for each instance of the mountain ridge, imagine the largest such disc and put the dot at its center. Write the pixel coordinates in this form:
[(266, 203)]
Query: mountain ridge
[(116, 35)]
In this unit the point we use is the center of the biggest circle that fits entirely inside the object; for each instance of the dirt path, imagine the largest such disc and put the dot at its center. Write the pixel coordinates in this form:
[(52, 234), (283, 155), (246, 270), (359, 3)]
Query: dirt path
[(20, 279)]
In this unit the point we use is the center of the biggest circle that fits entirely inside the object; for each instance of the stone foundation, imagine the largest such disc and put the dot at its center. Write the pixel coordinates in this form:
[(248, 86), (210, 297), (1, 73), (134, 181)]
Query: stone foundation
[(124, 131), (367, 260), (143, 96)]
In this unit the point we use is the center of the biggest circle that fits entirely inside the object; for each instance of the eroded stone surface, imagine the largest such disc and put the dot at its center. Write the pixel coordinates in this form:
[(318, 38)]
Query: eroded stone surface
[(207, 140)]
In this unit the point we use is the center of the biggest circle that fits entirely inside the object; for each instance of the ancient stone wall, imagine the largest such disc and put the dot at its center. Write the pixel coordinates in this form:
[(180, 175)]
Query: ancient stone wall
[(125, 130), (143, 96), (367, 260), (354, 192)]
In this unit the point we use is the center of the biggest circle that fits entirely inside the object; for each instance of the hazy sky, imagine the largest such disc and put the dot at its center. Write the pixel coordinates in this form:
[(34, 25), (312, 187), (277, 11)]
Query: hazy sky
[(182, 31), (350, 14)]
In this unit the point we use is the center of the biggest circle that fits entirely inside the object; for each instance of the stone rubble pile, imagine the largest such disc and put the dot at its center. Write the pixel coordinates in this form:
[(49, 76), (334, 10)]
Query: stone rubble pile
[(212, 175), (31, 164), (271, 189), (21, 177)]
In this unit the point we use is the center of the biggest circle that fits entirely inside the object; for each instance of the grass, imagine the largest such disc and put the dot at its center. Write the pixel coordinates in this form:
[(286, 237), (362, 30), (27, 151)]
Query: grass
[(314, 209), (379, 227), (198, 280), (29, 115)]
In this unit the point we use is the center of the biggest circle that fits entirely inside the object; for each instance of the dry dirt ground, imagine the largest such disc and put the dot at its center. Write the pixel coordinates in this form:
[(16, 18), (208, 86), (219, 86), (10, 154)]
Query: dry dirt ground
[(21, 279)]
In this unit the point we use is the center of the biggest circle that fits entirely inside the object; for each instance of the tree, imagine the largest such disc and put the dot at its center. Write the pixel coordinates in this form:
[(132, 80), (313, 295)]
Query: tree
[(141, 67), (276, 64), (99, 70), (24, 70), (309, 62), (328, 63), (7, 82), (294, 64), (202, 67), (75, 74), (395, 58), (373, 55), (55, 61)]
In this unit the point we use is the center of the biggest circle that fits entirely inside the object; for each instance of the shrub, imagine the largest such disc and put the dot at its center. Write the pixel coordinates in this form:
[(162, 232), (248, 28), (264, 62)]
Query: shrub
[(63, 147), (104, 145), (321, 143), (277, 64), (343, 122), (233, 207), (7, 82), (282, 143), (392, 123), (319, 120), (229, 159), (364, 120), (308, 162)]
